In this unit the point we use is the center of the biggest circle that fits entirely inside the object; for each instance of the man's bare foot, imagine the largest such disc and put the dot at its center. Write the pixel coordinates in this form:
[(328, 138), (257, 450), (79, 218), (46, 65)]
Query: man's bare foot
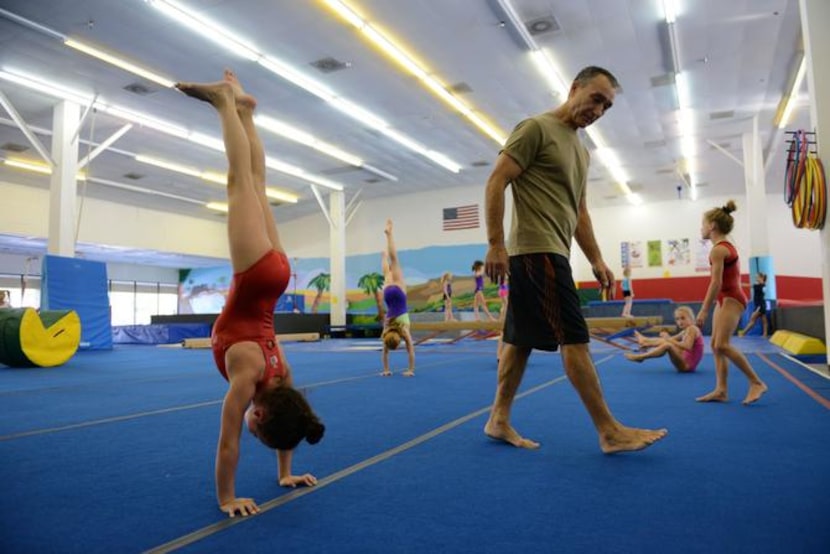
[(505, 432), (242, 100), (408, 373), (714, 396), (755, 392), (386, 374), (629, 439), (216, 94), (633, 357)]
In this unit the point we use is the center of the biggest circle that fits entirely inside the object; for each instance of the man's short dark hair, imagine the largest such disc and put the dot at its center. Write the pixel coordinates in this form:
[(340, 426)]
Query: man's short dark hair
[(588, 73)]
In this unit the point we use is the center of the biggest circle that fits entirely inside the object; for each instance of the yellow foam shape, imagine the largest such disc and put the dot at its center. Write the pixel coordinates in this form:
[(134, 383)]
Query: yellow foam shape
[(802, 344), (53, 345), (778, 338)]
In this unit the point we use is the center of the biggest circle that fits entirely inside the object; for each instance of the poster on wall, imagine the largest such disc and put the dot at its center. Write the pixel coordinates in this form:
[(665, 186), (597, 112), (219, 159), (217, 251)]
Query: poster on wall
[(702, 255), (631, 254), (678, 252), (655, 253)]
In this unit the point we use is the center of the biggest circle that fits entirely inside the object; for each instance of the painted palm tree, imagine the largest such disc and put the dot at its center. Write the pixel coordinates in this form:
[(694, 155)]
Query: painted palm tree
[(322, 282), (372, 284)]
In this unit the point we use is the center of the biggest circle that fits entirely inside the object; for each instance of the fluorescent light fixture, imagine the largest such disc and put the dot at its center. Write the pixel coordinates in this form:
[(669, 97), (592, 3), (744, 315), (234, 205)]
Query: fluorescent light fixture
[(40, 84), (230, 41), (207, 28), (170, 166), (793, 94), (406, 60), (37, 83), (546, 67), (634, 198), (218, 206), (669, 10), (118, 62), (297, 135), (280, 195), (36, 167)]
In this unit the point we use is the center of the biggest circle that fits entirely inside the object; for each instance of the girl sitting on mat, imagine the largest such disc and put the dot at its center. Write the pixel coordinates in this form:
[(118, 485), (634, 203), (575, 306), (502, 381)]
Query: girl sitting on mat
[(685, 349), (478, 296), (396, 324), (260, 395), (725, 286), (446, 289)]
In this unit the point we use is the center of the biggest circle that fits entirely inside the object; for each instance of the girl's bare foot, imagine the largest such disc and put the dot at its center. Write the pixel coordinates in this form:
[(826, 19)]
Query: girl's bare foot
[(216, 94), (386, 374), (756, 391), (504, 432), (408, 374), (714, 396), (629, 439), (242, 100), (633, 357)]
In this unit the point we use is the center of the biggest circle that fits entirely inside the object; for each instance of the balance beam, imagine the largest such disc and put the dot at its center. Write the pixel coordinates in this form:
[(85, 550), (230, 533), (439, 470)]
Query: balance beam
[(456, 325), (287, 337), (623, 322)]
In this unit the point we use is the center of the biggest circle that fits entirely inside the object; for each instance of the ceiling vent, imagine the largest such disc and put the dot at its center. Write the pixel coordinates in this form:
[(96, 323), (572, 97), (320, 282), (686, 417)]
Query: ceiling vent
[(330, 65), (542, 25), (663, 80), (372, 180), (480, 163), (14, 147), (665, 171), (722, 115), (133, 176), (340, 169), (139, 89)]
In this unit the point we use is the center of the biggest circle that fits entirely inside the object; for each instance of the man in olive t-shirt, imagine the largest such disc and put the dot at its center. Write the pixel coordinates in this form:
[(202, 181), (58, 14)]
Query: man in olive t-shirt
[(547, 166)]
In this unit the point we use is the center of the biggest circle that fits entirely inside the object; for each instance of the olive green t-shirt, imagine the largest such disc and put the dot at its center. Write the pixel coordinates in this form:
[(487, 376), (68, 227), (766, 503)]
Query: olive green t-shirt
[(547, 194)]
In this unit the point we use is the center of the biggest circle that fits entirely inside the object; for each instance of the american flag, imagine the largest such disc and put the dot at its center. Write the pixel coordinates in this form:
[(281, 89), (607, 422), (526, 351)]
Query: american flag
[(462, 217)]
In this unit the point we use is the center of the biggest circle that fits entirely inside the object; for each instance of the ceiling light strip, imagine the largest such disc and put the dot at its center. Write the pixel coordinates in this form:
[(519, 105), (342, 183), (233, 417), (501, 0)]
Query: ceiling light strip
[(230, 41), (792, 95), (38, 84), (406, 61)]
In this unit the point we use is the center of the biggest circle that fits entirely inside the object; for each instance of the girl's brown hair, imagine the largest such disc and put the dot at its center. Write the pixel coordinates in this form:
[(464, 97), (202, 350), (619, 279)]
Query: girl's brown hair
[(722, 217)]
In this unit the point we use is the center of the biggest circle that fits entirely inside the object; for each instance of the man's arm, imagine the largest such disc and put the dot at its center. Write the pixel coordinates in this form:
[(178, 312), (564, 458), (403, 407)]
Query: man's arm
[(587, 242), (504, 172)]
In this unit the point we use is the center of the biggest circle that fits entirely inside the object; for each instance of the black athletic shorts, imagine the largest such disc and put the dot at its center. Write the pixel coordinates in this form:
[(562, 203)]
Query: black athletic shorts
[(626, 293), (543, 309)]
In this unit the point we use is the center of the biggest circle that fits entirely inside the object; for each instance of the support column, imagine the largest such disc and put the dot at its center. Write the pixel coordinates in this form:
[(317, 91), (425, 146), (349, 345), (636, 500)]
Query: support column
[(760, 260), (337, 247), (62, 184), (815, 19)]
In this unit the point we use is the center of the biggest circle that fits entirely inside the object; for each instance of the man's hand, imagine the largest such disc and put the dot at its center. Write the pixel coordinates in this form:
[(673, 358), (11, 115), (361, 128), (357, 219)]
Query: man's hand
[(604, 275), (496, 264), (245, 507), (293, 481)]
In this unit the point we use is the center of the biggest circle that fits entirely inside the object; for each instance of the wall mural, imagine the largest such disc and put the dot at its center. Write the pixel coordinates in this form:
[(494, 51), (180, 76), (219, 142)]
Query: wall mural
[(203, 290)]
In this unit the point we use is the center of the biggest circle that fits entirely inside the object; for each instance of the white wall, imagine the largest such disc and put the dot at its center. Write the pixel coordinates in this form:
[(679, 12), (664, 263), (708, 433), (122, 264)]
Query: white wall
[(23, 210), (15, 264)]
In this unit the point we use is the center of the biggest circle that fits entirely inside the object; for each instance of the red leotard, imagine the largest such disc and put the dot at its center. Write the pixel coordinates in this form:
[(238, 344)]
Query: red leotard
[(248, 314), (731, 279)]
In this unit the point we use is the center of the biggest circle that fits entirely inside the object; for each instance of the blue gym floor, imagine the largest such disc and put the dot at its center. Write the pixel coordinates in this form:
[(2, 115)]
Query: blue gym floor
[(114, 452)]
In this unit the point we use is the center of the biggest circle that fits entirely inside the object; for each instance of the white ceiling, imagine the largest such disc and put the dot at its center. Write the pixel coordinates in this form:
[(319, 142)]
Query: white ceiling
[(739, 55)]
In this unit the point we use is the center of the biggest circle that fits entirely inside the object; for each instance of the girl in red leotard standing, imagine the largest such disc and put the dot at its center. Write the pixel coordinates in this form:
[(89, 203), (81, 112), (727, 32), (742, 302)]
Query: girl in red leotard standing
[(725, 285)]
